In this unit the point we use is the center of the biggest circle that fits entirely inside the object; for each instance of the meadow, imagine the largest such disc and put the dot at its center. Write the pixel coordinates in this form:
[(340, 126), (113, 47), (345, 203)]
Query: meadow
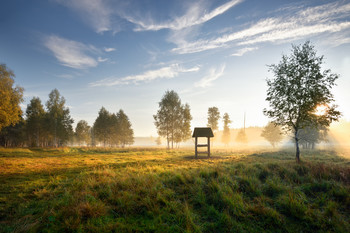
[(158, 190)]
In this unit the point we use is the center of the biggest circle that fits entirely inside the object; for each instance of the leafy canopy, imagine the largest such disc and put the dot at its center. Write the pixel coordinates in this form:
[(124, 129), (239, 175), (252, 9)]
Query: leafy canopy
[(213, 118), (272, 133), (10, 98), (298, 88), (173, 120)]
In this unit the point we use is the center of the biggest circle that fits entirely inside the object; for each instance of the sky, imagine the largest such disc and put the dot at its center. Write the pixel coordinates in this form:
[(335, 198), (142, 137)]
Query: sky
[(127, 54)]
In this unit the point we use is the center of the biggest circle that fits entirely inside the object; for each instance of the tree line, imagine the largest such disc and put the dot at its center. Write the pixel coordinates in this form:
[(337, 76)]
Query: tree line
[(51, 125)]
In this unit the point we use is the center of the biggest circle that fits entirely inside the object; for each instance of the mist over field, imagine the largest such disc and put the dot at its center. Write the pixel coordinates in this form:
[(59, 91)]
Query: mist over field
[(338, 138)]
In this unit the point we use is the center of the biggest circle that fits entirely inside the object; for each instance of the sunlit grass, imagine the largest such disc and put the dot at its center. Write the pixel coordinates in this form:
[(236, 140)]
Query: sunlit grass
[(135, 189)]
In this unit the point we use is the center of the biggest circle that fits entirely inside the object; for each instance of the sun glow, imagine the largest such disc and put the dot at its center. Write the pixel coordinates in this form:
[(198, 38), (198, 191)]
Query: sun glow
[(321, 110)]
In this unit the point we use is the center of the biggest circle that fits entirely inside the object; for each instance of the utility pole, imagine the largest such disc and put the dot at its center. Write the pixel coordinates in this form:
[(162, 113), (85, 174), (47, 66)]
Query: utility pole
[(244, 121)]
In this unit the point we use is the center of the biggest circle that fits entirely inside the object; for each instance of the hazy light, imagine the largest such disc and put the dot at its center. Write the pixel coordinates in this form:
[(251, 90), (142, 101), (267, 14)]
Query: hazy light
[(321, 110)]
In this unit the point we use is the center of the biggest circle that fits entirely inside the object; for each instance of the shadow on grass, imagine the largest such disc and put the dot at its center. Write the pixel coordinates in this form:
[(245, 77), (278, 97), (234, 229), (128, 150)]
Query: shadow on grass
[(322, 156), (203, 157)]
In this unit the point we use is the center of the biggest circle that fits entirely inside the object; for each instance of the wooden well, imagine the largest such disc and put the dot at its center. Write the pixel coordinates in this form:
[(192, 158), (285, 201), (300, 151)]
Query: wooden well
[(205, 132)]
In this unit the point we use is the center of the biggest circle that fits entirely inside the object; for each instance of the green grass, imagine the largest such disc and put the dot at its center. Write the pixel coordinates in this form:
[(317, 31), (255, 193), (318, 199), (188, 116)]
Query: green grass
[(155, 190)]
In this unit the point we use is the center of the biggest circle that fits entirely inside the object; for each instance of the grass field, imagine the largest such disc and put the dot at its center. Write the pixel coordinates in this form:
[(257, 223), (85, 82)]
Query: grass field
[(155, 190)]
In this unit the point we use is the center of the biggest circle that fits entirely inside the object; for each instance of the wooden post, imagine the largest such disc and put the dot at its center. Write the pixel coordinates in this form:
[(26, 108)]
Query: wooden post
[(196, 151), (208, 146)]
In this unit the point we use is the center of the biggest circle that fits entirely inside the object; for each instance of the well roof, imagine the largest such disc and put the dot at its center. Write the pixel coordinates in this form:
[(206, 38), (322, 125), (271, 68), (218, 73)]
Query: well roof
[(202, 132)]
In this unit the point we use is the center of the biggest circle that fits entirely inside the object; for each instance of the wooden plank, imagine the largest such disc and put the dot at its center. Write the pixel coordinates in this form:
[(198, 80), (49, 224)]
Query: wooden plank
[(202, 145), (196, 147), (208, 146)]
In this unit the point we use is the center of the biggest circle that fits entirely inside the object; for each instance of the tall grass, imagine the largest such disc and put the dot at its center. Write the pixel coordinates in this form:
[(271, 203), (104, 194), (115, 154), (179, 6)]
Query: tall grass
[(143, 190)]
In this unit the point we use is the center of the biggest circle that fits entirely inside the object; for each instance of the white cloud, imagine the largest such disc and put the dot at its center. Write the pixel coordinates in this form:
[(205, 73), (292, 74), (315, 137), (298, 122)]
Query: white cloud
[(95, 12), (100, 14), (297, 32), (100, 59), (71, 53), (150, 75), (337, 40), (329, 18), (108, 49), (243, 51), (214, 74), (195, 15)]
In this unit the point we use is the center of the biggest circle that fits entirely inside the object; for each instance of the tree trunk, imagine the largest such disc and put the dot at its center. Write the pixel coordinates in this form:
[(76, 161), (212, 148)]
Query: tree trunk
[(297, 155), (167, 139)]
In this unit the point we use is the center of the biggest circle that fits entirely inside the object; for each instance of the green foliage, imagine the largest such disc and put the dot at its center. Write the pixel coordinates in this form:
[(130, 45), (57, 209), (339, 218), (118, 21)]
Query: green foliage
[(272, 133), (173, 120), (35, 127), (298, 89), (13, 135), (103, 127), (213, 118), (310, 136), (124, 130), (226, 133), (138, 190), (10, 98), (41, 128), (112, 129), (58, 119), (82, 132)]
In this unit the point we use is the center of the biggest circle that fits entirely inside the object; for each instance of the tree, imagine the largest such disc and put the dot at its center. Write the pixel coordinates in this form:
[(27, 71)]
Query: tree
[(158, 141), (82, 132), (58, 118), (172, 119), (310, 136), (226, 133), (13, 135), (125, 132), (186, 123), (10, 98), (213, 118), (35, 122), (241, 136), (298, 89), (102, 126), (113, 129), (272, 133)]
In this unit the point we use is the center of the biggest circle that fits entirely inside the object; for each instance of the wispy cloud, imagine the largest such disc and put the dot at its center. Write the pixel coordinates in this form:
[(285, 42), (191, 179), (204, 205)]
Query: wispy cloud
[(312, 21), (108, 49), (71, 53), (100, 59), (101, 15), (95, 12), (150, 75), (214, 74), (243, 51), (195, 15)]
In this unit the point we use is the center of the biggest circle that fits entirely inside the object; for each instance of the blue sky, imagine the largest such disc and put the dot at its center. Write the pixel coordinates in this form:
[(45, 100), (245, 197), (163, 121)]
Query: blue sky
[(126, 54)]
